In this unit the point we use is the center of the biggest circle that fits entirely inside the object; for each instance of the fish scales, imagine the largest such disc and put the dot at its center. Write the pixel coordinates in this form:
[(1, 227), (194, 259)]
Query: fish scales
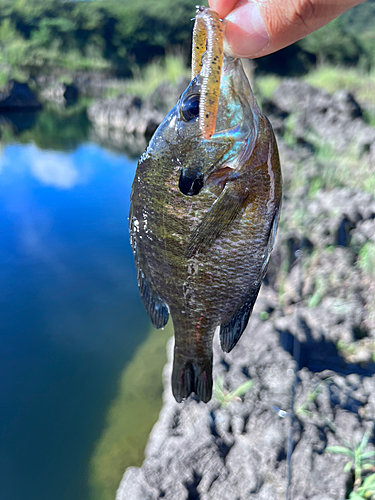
[(211, 214)]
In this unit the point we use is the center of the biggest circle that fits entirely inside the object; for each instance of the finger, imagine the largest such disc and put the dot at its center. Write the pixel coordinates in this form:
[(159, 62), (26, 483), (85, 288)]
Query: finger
[(255, 28), (222, 7)]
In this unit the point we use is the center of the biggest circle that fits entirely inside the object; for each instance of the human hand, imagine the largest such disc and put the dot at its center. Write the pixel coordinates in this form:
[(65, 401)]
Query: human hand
[(254, 28)]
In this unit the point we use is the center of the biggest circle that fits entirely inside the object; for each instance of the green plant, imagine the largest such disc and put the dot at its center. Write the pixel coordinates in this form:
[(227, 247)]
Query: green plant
[(290, 126), (334, 78), (315, 186), (225, 397), (345, 348), (366, 490), (304, 408), (366, 260), (266, 85), (320, 290), (360, 460), (369, 117), (263, 315), (169, 69)]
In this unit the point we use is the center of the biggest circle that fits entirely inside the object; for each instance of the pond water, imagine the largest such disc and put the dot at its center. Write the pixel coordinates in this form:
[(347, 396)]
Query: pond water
[(70, 313)]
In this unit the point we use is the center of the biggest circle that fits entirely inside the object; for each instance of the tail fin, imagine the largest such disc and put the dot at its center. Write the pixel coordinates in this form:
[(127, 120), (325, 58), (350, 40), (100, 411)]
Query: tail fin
[(191, 375)]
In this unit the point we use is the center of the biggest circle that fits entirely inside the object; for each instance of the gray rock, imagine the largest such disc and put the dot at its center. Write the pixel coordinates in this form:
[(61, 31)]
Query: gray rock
[(336, 118), (127, 122), (126, 113), (60, 93)]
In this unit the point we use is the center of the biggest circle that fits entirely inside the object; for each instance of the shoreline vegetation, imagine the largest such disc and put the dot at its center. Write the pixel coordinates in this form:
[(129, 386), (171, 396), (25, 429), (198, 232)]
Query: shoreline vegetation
[(119, 38), (103, 50), (135, 42), (157, 86)]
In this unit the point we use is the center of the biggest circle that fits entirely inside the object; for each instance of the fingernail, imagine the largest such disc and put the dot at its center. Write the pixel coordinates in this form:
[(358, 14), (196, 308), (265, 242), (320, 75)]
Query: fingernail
[(245, 32)]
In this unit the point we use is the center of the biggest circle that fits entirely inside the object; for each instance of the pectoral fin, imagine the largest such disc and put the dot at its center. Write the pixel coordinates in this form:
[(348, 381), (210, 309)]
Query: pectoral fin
[(222, 213), (155, 307)]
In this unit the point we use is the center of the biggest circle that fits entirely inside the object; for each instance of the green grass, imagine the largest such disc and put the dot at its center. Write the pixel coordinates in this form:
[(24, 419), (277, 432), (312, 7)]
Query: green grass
[(169, 69), (74, 61), (334, 78), (290, 126), (366, 259), (266, 85), (360, 461), (320, 291), (224, 397), (4, 77), (315, 186), (340, 168), (131, 416)]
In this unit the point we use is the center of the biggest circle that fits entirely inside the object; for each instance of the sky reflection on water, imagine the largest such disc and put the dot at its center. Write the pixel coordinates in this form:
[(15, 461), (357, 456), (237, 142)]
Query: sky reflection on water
[(69, 311)]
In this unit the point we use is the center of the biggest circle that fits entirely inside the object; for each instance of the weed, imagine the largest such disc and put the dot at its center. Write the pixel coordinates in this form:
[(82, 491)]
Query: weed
[(290, 126), (264, 315), (170, 69), (320, 290), (366, 261), (4, 77), (369, 117), (316, 185), (266, 86), (360, 462), (341, 168), (225, 397), (334, 78), (366, 490), (345, 348), (304, 408)]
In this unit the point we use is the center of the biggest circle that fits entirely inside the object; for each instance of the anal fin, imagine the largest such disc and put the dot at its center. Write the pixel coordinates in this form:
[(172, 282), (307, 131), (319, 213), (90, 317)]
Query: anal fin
[(231, 332)]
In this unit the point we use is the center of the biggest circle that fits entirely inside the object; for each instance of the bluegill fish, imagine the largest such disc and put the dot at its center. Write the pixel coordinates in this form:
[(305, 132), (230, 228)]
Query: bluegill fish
[(204, 211)]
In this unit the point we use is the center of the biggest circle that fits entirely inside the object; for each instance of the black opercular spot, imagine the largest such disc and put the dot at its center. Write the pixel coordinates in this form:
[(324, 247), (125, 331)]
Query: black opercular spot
[(190, 107), (190, 184)]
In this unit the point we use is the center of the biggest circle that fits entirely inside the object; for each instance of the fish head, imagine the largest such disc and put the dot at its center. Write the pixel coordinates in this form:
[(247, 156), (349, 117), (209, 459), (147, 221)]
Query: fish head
[(235, 132)]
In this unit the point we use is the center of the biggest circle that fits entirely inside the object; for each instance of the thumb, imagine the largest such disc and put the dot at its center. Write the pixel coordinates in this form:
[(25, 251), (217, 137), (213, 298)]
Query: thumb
[(255, 28)]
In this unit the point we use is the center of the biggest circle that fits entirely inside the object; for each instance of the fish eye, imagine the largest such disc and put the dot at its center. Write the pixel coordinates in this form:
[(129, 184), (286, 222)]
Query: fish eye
[(190, 108)]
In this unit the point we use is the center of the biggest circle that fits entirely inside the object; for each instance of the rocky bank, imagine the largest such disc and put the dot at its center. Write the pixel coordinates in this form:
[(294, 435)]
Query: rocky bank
[(309, 345), (127, 121)]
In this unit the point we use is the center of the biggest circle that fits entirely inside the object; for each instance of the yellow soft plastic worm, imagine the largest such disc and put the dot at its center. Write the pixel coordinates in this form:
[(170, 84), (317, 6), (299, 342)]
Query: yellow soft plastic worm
[(208, 31)]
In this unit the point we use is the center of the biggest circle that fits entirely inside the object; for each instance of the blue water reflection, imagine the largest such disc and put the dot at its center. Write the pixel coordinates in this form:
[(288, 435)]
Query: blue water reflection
[(70, 313)]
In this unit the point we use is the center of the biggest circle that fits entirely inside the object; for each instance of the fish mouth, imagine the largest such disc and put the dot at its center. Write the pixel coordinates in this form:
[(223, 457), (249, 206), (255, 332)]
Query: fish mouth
[(190, 183)]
